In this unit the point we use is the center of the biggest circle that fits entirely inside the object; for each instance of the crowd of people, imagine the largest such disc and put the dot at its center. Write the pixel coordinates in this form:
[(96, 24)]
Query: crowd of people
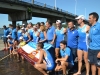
[(82, 42)]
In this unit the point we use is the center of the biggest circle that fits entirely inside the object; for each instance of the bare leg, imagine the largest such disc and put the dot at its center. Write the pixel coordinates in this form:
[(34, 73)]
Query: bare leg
[(41, 68), (93, 69), (58, 68), (10, 53), (4, 45), (57, 52), (98, 70), (79, 53), (64, 66), (86, 62)]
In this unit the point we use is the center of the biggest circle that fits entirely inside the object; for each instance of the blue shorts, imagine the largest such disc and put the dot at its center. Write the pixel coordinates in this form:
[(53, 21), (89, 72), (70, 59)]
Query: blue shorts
[(57, 44), (49, 42), (15, 39), (5, 39), (82, 46), (11, 48), (50, 67)]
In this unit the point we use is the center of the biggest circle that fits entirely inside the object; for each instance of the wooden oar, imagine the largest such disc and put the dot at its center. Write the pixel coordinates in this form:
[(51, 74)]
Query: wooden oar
[(5, 57)]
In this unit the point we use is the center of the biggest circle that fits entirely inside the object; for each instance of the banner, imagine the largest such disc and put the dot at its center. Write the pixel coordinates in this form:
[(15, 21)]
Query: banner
[(30, 53)]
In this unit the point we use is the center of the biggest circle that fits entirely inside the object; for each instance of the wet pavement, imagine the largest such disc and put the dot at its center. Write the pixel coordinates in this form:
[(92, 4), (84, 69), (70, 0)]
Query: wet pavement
[(10, 66)]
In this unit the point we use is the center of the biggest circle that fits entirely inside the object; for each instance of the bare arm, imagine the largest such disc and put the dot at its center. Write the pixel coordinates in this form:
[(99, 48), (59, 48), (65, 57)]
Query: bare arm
[(28, 37), (87, 28), (65, 30), (41, 56), (45, 37), (54, 38), (38, 34), (62, 59)]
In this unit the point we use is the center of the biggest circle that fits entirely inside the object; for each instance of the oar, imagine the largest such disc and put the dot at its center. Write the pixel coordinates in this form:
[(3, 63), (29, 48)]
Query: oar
[(5, 57)]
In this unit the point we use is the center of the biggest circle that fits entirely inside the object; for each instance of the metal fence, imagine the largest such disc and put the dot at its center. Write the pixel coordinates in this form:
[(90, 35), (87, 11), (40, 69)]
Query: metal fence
[(44, 5)]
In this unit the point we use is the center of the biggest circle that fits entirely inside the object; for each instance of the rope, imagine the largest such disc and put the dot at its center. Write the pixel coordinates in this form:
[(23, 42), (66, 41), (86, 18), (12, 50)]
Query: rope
[(5, 57)]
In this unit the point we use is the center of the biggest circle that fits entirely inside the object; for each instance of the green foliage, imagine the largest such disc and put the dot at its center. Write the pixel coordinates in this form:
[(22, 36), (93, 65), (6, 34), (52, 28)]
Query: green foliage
[(29, 9), (64, 25)]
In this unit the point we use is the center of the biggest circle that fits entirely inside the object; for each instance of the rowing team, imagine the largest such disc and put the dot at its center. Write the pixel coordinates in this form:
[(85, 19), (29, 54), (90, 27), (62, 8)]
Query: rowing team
[(85, 40)]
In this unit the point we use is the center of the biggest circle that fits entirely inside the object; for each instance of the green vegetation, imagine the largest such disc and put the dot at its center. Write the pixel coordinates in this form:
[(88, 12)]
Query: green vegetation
[(64, 25)]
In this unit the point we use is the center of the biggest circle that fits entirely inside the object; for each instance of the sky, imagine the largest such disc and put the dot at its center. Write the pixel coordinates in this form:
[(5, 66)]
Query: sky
[(83, 7)]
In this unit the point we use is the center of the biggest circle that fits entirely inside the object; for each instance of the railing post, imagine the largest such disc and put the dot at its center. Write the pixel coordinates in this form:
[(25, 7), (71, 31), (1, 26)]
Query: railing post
[(32, 1), (45, 5), (61, 10)]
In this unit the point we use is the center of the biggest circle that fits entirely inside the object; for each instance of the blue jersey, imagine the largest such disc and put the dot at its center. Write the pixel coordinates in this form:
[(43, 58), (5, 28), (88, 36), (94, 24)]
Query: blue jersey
[(49, 61), (10, 31), (72, 38), (50, 33), (82, 42), (25, 36), (82, 34), (10, 41), (19, 34), (42, 35), (6, 32), (35, 36), (30, 31), (14, 33), (94, 36), (59, 34), (67, 52)]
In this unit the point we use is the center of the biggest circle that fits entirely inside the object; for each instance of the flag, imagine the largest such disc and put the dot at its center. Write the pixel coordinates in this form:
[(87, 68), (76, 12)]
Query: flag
[(30, 53)]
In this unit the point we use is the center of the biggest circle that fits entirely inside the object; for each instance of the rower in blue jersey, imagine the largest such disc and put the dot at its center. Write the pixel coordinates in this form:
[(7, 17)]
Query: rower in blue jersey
[(6, 33), (38, 26), (35, 34), (19, 32), (50, 32), (45, 62), (82, 38), (66, 60), (30, 30), (82, 44), (42, 34), (26, 35), (14, 33), (59, 36)]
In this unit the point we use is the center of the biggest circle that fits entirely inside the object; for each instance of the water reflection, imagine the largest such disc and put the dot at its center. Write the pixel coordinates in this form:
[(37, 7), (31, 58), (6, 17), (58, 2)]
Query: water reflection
[(9, 66)]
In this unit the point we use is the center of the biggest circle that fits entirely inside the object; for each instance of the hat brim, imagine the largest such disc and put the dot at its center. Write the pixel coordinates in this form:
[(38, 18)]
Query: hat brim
[(77, 18)]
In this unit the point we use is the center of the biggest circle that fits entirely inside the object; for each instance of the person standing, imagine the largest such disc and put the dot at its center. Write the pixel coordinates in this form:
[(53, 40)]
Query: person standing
[(59, 36), (82, 44), (30, 30), (6, 33), (50, 32), (72, 40), (42, 34), (94, 45)]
